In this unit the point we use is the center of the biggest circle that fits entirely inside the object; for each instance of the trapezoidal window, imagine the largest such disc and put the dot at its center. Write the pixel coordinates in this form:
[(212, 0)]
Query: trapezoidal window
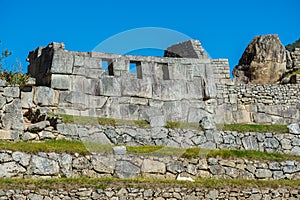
[(165, 71), (108, 65), (136, 68)]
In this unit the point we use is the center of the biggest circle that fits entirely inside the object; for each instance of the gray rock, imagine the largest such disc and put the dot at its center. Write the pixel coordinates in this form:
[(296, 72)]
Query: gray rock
[(175, 166), (44, 96), (250, 143), (10, 169), (68, 129), (207, 123), (27, 99), (11, 92), (46, 135), (5, 157), (2, 101), (151, 166), (13, 121), (125, 169), (62, 62), (212, 194), (263, 173), (43, 166), (216, 170), (294, 128), (199, 139), (21, 158), (271, 143), (65, 162), (34, 197), (38, 126), (6, 135), (61, 82), (157, 121), (119, 150), (296, 150), (290, 169), (103, 164), (29, 136), (212, 161), (81, 163), (208, 145), (2, 83)]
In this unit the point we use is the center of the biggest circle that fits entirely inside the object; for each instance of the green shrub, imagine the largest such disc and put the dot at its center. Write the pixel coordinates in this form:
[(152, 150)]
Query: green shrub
[(14, 78)]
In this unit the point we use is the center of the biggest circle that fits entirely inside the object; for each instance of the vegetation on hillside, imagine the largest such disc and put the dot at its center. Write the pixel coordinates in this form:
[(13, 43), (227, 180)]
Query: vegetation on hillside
[(291, 47), (14, 76)]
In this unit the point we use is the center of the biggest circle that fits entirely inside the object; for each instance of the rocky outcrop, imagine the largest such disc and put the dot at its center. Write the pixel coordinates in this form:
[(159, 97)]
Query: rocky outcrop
[(263, 62)]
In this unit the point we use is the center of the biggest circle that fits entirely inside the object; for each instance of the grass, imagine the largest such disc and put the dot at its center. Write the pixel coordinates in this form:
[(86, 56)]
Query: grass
[(251, 155), (102, 183), (183, 125), (260, 128), (66, 146), (58, 146), (86, 120)]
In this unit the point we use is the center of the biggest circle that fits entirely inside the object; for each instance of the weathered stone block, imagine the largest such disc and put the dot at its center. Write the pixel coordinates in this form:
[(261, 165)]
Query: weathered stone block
[(38, 126), (119, 150), (26, 99), (110, 86), (44, 96), (125, 169), (10, 169), (61, 82), (62, 62), (11, 92), (43, 166), (152, 166), (250, 143), (103, 164), (136, 87)]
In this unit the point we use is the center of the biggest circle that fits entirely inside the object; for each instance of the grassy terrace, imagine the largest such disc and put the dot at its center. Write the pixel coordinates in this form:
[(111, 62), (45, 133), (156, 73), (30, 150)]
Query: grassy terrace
[(261, 128), (102, 183), (60, 146)]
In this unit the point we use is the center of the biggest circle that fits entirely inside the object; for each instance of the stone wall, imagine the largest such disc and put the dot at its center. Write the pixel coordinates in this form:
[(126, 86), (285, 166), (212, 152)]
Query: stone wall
[(123, 165), (162, 88), (11, 116), (157, 193), (267, 104), (287, 143)]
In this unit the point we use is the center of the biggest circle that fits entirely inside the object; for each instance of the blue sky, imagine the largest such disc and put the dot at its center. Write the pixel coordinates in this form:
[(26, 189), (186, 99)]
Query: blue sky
[(223, 27)]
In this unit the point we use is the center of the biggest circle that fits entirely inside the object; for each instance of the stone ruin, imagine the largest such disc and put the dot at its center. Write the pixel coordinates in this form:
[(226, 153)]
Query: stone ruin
[(178, 87), (183, 86)]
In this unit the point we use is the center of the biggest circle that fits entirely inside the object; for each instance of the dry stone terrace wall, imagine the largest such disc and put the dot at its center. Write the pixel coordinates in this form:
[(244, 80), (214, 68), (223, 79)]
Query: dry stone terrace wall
[(156, 193), (173, 89), (123, 165), (242, 103)]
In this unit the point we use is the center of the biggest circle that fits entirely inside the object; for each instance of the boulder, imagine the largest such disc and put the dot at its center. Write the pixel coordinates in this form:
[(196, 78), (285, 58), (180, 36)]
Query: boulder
[(294, 128), (263, 61)]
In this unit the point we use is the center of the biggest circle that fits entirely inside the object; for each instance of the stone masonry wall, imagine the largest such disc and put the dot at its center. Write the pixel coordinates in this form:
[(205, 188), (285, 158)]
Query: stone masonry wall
[(173, 89), (123, 165), (276, 104), (287, 143), (157, 193), (11, 116)]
